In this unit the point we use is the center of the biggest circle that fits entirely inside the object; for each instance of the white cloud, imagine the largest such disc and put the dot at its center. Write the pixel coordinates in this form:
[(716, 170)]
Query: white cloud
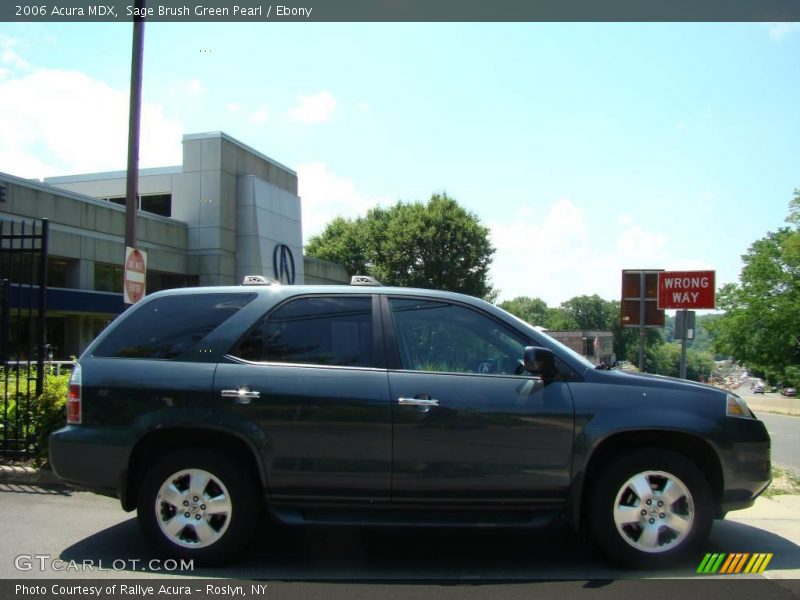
[(233, 107), (188, 89), (779, 31), (326, 195), (363, 107), (259, 117), (59, 122), (8, 55), (195, 87), (557, 254), (313, 109), (625, 219)]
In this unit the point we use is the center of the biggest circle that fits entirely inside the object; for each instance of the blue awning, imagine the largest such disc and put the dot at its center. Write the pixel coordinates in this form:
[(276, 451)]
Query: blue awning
[(67, 300)]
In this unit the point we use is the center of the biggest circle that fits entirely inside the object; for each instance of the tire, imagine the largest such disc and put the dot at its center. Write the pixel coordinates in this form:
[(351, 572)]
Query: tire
[(649, 508), (196, 504)]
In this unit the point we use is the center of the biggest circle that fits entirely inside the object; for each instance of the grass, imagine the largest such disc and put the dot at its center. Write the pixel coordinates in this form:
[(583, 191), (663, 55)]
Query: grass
[(784, 481)]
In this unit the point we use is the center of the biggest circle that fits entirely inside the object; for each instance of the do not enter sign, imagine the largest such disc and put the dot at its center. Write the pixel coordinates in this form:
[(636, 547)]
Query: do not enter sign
[(686, 289), (135, 275)]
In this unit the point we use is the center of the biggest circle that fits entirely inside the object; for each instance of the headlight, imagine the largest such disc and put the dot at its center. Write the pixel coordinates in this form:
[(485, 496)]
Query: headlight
[(738, 408)]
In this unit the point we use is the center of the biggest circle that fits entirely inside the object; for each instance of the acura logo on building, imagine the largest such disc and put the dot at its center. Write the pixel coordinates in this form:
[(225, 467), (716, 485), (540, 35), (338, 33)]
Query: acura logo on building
[(283, 264)]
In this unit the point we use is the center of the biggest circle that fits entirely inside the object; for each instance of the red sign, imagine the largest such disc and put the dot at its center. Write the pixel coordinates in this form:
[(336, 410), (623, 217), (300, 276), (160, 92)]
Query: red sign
[(135, 275), (686, 289)]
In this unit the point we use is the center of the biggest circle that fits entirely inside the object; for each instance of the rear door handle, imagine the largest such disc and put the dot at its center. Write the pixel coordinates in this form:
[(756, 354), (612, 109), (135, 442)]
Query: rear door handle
[(418, 401), (242, 395)]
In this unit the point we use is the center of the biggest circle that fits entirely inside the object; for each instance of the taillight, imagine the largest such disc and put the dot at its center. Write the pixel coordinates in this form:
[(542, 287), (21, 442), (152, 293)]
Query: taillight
[(74, 397)]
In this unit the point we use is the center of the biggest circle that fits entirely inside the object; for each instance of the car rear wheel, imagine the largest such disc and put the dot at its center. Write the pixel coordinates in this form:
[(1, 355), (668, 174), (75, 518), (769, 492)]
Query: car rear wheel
[(196, 504), (650, 508)]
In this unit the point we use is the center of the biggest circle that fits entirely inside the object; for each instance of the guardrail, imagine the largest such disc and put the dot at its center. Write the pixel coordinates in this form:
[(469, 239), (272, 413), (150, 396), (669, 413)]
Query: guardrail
[(48, 363)]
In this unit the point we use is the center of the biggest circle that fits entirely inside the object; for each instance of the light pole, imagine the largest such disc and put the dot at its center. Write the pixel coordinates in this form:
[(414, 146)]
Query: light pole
[(134, 118)]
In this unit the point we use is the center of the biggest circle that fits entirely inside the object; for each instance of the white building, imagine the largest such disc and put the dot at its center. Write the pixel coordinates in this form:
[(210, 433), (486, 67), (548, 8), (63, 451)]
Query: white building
[(226, 212)]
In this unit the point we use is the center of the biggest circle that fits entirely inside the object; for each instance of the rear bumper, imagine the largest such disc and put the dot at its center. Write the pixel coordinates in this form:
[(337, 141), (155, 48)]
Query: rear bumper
[(89, 458)]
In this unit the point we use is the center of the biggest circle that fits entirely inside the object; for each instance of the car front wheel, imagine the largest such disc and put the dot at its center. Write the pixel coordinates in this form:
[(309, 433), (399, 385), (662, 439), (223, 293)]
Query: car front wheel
[(650, 508), (199, 505)]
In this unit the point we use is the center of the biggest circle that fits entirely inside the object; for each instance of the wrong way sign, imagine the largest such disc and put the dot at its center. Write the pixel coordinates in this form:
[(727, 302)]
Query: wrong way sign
[(686, 290), (135, 275)]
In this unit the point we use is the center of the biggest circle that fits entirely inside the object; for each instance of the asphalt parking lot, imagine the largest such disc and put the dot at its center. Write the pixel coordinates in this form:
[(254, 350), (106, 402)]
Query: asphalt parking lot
[(85, 529)]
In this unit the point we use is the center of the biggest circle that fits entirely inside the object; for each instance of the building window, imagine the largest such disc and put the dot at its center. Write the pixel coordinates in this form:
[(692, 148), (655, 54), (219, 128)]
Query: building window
[(158, 204), (157, 281), (58, 272), (591, 346), (108, 278)]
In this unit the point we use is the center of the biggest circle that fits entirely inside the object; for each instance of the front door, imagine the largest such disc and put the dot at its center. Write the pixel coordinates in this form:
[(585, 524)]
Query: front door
[(469, 424)]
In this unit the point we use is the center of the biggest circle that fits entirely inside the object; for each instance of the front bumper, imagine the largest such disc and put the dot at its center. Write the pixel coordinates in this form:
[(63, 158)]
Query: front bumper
[(747, 468)]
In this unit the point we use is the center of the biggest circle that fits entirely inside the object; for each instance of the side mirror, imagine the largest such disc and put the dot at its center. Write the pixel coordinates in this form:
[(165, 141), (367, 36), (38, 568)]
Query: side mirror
[(540, 361)]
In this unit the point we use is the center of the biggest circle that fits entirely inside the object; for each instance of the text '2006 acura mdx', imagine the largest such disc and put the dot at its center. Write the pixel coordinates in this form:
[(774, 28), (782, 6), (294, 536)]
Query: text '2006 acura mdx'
[(376, 405)]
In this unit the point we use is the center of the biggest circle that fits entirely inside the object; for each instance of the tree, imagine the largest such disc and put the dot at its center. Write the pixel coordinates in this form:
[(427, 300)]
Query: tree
[(761, 324), (437, 245), (666, 360), (592, 312), (530, 310)]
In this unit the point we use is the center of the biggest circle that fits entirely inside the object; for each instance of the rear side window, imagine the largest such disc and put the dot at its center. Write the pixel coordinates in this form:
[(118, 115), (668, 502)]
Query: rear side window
[(169, 326), (314, 330)]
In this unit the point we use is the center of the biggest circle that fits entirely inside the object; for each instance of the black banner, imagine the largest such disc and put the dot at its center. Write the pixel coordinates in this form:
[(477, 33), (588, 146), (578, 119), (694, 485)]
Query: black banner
[(401, 10)]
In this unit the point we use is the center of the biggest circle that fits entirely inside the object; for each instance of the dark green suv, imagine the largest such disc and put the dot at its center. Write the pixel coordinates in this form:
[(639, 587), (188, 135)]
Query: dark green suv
[(362, 404)]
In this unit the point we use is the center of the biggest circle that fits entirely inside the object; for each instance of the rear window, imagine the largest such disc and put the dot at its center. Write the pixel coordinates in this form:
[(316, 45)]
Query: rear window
[(316, 331), (170, 326)]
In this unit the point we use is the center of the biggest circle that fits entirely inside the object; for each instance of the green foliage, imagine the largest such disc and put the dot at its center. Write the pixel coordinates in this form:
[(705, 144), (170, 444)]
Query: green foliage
[(49, 411), (592, 312), (46, 412), (435, 245), (666, 360), (703, 339), (761, 325), (530, 310)]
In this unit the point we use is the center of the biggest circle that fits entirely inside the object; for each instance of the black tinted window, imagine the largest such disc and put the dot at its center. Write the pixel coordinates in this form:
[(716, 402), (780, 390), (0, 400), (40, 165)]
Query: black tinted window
[(170, 326), (436, 336), (319, 331)]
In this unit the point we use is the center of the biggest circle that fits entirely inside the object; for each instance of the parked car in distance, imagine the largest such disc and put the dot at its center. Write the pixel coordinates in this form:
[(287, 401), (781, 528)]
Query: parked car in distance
[(758, 389), (789, 391), (364, 404)]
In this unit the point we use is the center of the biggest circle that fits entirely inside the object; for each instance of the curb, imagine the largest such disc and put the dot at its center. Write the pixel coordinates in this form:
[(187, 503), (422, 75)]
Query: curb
[(28, 475), (787, 412)]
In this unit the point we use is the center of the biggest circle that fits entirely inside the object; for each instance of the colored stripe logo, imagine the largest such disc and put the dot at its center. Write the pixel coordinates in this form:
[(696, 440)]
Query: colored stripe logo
[(733, 563)]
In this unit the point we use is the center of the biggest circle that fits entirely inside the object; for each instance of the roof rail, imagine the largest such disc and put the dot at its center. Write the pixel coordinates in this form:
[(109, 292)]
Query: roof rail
[(259, 280), (364, 280)]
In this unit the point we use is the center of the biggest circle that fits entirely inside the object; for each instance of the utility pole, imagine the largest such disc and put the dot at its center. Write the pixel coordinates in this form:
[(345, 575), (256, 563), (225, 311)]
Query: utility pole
[(134, 118)]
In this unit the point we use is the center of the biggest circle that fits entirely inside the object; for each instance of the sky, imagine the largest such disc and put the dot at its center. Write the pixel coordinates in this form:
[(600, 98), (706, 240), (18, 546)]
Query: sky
[(585, 148)]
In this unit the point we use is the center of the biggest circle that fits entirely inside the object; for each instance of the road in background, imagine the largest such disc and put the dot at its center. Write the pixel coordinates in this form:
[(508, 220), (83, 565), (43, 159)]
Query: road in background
[(785, 432), (783, 429)]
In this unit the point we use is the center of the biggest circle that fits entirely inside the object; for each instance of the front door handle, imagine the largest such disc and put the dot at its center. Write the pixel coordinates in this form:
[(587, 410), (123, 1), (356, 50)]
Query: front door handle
[(418, 400), (242, 395)]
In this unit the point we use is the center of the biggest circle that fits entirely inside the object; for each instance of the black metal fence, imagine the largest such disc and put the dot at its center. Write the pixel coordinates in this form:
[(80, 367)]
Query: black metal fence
[(23, 349)]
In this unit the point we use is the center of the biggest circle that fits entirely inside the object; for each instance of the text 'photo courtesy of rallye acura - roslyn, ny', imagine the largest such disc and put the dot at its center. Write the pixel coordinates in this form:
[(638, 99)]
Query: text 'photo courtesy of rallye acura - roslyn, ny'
[(206, 409)]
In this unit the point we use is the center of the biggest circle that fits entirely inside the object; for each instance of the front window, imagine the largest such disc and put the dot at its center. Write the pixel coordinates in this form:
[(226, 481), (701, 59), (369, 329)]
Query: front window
[(438, 336)]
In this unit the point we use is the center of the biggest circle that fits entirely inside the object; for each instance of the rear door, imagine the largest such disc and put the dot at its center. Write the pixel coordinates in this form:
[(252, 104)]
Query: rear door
[(311, 376), (469, 424)]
